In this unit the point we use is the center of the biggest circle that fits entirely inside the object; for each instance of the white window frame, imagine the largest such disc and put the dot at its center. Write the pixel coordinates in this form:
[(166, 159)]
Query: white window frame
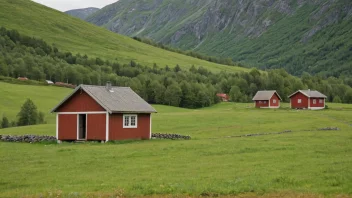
[(274, 101), (314, 101), (264, 101), (321, 101), (129, 121), (299, 101)]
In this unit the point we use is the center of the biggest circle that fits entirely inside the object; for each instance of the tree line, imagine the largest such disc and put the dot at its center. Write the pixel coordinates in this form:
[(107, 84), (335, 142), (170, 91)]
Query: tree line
[(195, 87)]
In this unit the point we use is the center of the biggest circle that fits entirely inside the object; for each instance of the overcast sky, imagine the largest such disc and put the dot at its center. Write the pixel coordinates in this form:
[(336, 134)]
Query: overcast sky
[(64, 5)]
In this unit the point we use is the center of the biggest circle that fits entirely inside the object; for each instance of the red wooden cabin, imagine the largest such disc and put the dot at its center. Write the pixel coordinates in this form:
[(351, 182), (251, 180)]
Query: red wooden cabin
[(267, 99), (307, 99), (22, 78), (103, 113), (61, 84), (223, 97)]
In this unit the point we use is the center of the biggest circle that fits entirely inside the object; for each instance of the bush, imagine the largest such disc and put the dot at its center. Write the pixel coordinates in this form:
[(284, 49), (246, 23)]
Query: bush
[(13, 124), (41, 118), (5, 123), (337, 99)]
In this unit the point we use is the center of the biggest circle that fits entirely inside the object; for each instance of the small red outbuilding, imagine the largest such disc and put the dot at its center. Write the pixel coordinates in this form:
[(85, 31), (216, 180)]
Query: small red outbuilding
[(307, 99), (267, 99), (223, 97), (22, 78), (103, 113)]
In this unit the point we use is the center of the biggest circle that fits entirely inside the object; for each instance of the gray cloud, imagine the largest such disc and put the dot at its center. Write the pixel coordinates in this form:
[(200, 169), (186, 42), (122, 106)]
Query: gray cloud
[(64, 5)]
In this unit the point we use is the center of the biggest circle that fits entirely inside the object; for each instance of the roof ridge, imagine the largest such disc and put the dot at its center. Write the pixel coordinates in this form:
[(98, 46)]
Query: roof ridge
[(309, 93), (122, 99), (102, 86)]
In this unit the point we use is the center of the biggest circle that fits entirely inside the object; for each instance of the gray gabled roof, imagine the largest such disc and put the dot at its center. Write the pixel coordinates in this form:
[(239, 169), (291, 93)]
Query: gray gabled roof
[(265, 95), (310, 94), (115, 100)]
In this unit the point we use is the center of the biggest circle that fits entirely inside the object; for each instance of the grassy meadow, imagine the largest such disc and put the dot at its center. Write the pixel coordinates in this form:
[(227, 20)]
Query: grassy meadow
[(304, 162), (45, 97), (77, 36)]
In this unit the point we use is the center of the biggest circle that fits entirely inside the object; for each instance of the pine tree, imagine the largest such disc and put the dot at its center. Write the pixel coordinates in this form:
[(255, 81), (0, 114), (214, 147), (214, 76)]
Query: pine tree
[(5, 123), (28, 114), (177, 68)]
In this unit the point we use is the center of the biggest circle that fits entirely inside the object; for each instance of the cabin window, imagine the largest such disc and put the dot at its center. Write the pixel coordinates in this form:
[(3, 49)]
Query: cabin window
[(274, 101), (299, 101), (321, 101), (264, 102), (314, 101), (129, 121), (260, 102)]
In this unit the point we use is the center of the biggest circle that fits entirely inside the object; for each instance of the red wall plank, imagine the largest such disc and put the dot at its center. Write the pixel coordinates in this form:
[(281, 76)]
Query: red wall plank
[(117, 132), (275, 97), (96, 126), (80, 102), (317, 100), (261, 103), (295, 104), (67, 127)]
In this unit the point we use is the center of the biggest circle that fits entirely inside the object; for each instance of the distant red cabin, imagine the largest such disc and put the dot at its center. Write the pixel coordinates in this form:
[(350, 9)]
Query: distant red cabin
[(22, 78), (61, 84), (223, 97), (267, 99), (103, 113), (307, 99)]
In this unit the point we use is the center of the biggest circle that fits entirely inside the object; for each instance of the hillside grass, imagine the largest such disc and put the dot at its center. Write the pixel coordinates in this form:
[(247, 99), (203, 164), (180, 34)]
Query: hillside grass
[(44, 97), (306, 161), (74, 35)]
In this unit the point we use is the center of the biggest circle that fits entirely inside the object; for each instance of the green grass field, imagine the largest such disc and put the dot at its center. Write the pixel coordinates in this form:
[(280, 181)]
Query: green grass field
[(74, 35), (45, 97), (305, 162)]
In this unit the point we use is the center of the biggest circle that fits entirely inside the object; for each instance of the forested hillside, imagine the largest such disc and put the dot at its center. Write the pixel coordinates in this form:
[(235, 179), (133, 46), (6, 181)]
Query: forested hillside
[(299, 36), (74, 35), (196, 87)]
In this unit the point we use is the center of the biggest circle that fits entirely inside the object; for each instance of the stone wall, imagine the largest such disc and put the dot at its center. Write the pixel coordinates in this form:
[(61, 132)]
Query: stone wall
[(27, 138)]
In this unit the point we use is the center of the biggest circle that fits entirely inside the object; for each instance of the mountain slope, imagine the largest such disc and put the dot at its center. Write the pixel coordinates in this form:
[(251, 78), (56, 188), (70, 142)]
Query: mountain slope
[(74, 35), (313, 36), (82, 13)]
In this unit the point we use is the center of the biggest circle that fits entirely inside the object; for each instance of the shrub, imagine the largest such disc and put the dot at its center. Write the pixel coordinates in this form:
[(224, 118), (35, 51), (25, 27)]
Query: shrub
[(5, 123), (337, 99), (13, 124)]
